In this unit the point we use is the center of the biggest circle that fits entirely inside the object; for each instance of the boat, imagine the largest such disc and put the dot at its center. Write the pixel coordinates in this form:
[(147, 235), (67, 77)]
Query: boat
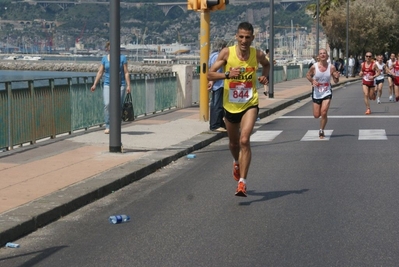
[(31, 58), (10, 58), (171, 49)]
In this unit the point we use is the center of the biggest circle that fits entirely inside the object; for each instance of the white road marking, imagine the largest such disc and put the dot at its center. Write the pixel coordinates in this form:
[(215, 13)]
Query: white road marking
[(313, 135), (345, 117), (374, 134), (264, 136)]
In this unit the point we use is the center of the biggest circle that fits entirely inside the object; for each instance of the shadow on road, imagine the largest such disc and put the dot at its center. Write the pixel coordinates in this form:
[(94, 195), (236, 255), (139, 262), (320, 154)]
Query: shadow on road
[(270, 195), (40, 255)]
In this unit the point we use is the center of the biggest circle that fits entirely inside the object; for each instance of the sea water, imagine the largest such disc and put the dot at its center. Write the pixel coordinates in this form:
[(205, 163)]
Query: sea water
[(23, 75)]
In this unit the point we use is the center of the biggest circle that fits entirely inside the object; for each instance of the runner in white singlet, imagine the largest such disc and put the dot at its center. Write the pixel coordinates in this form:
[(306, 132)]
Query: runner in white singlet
[(320, 75)]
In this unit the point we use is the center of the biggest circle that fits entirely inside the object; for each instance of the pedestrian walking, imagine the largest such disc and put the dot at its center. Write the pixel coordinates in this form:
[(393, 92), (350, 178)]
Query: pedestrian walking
[(351, 66), (104, 71), (369, 71), (266, 86), (319, 75), (216, 122), (240, 100)]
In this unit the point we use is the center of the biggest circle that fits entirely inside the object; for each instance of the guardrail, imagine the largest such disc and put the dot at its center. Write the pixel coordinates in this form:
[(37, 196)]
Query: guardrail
[(32, 110)]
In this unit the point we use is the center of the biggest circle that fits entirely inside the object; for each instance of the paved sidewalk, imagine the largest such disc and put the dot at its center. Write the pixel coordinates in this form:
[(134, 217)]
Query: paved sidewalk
[(43, 182)]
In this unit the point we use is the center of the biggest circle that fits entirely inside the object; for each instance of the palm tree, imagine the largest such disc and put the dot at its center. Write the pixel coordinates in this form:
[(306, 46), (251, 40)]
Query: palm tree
[(324, 7)]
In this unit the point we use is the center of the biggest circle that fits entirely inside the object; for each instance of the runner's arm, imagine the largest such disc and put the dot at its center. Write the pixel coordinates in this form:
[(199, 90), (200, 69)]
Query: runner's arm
[(392, 71), (361, 70), (386, 69), (220, 62), (377, 71), (261, 58), (334, 74), (310, 74)]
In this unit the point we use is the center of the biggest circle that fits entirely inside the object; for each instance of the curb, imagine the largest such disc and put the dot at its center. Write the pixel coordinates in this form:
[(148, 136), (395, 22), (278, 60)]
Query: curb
[(28, 218)]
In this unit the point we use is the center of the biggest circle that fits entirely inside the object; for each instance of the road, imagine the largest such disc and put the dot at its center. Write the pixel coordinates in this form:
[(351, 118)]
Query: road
[(311, 202)]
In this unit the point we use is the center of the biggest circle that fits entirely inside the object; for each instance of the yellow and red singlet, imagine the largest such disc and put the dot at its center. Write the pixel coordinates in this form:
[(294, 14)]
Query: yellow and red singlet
[(240, 93)]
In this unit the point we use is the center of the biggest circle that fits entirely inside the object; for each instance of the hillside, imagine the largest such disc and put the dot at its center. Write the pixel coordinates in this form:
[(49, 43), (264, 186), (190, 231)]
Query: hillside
[(60, 26)]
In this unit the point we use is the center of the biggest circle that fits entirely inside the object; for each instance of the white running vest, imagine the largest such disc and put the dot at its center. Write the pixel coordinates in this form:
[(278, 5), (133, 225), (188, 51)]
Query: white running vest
[(390, 64), (381, 68), (324, 80)]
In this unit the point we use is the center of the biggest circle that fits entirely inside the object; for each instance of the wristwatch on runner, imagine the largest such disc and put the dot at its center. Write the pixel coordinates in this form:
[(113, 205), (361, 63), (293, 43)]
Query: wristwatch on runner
[(227, 74)]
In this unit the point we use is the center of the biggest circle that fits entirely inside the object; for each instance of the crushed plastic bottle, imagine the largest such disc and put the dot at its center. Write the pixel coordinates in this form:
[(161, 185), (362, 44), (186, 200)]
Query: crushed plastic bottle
[(12, 245), (115, 219), (191, 156)]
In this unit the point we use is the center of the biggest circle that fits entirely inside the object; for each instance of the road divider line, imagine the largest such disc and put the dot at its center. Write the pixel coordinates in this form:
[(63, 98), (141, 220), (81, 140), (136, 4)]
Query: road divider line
[(345, 117)]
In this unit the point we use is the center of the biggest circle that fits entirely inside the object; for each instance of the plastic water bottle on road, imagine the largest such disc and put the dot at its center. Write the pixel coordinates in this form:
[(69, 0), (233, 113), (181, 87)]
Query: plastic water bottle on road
[(115, 219), (12, 245)]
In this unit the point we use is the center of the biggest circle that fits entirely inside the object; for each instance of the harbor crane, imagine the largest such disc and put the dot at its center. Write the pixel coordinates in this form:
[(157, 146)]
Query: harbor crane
[(77, 41)]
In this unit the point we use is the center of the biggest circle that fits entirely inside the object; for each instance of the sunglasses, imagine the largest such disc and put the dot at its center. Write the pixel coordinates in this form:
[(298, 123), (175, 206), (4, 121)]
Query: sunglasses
[(368, 56)]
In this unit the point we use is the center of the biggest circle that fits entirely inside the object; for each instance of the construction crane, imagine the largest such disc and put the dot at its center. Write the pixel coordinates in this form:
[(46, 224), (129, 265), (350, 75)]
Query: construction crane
[(145, 31), (178, 37), (77, 41)]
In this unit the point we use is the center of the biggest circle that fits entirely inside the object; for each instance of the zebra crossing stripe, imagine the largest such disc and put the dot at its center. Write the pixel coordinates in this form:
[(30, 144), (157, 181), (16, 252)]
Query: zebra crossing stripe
[(264, 136), (372, 134), (313, 135)]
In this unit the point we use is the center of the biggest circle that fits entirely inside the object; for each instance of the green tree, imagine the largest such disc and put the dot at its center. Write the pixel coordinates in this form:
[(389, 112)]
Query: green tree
[(324, 8), (368, 30)]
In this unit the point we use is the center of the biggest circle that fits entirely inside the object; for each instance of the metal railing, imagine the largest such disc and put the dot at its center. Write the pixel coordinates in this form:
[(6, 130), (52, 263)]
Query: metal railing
[(32, 110)]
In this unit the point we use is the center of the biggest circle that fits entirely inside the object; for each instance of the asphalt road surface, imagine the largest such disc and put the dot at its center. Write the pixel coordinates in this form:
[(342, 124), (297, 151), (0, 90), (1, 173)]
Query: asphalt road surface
[(311, 202)]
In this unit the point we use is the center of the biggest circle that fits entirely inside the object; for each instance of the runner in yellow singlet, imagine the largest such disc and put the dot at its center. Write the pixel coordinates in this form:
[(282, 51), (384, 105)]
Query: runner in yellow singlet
[(240, 97)]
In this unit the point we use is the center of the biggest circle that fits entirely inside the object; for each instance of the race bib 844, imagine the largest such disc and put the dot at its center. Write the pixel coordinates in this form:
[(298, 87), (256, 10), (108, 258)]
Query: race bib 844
[(240, 92)]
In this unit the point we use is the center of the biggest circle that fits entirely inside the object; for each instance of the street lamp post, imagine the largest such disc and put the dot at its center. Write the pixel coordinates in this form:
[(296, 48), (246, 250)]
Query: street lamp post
[(317, 26), (347, 38), (115, 143), (271, 50)]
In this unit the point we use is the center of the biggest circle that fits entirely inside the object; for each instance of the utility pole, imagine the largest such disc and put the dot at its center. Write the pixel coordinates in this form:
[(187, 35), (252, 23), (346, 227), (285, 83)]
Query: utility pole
[(115, 112), (204, 57), (205, 6), (317, 27), (271, 50), (347, 38)]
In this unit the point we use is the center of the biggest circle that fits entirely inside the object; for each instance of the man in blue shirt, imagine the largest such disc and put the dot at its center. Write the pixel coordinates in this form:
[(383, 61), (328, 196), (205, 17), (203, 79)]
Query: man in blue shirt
[(216, 122)]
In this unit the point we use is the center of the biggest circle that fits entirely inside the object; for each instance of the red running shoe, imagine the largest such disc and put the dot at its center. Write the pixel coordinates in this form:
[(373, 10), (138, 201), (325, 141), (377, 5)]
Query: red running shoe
[(241, 190), (236, 171)]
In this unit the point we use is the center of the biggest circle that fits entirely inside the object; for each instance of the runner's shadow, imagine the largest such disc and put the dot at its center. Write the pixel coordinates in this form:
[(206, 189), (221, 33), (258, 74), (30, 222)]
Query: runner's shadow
[(270, 195), (34, 257)]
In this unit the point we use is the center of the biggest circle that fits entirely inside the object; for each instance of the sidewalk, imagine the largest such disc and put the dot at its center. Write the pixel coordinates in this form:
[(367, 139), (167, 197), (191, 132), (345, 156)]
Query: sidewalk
[(43, 182)]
